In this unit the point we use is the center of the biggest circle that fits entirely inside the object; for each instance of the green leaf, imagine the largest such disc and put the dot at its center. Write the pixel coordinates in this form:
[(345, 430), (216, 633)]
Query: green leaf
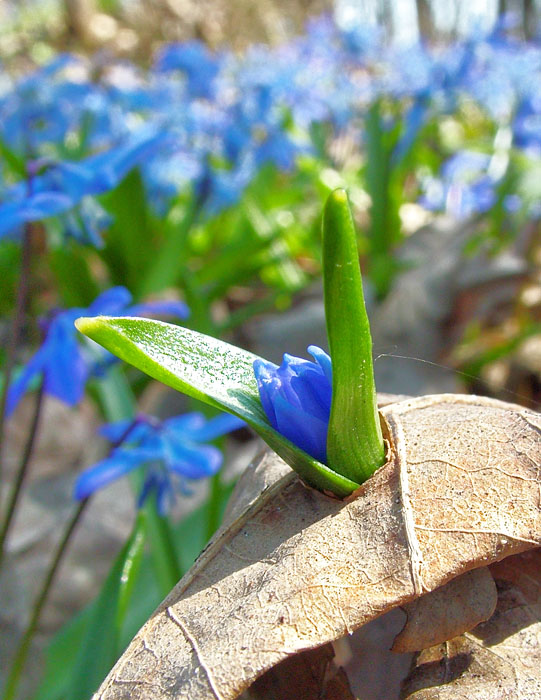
[(166, 266), (354, 441), (99, 647), (130, 569), (130, 240), (165, 558), (62, 653), (209, 370), (60, 656), (15, 162), (115, 396), (76, 283), (385, 188)]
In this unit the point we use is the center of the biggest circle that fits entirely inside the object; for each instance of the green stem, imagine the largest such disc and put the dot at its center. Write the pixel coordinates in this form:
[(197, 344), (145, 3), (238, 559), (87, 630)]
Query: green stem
[(23, 648), (21, 472), (16, 327)]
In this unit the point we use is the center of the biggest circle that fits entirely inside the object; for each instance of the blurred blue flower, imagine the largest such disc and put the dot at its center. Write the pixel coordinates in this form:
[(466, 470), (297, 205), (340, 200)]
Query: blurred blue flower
[(65, 185), (243, 111), (296, 397), (85, 222), (464, 187), (195, 60), (173, 450), (527, 126), (65, 363), (218, 189)]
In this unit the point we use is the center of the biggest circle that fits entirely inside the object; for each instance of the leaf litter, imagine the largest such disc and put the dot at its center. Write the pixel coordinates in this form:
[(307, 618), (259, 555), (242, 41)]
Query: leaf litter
[(292, 570)]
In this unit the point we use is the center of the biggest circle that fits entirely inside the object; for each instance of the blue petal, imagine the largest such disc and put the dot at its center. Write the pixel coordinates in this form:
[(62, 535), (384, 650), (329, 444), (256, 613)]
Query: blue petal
[(265, 374), (20, 385), (150, 484), (165, 496), (112, 301), (75, 179), (115, 432), (184, 424), (35, 208), (215, 427), (289, 368), (114, 165), (191, 460), (304, 430), (66, 372), (323, 360), (314, 393), (96, 477)]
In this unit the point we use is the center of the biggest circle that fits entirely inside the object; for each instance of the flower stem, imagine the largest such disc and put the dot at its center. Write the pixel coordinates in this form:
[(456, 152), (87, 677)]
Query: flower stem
[(16, 327), (21, 654), (21, 472)]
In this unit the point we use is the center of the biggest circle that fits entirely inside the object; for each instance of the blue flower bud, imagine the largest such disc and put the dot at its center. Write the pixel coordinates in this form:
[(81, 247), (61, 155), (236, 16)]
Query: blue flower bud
[(296, 398)]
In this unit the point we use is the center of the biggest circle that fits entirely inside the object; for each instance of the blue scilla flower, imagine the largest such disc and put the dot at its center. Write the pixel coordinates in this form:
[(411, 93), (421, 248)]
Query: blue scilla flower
[(65, 185), (195, 60), (296, 397), (63, 361), (173, 451), (527, 125)]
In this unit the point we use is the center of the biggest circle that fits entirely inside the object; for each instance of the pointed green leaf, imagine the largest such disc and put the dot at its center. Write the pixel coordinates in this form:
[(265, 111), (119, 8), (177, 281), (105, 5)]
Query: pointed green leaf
[(354, 441), (212, 371)]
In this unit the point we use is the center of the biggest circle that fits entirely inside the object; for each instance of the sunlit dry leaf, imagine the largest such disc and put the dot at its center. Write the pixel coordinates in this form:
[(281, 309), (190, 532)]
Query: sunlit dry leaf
[(297, 569), (454, 608), (499, 659)]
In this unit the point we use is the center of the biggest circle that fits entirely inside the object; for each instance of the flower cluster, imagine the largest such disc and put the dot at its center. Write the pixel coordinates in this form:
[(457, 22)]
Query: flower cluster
[(224, 116), (296, 397)]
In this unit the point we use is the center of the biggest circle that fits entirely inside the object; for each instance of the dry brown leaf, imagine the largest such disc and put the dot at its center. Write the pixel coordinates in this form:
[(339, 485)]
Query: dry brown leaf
[(454, 608), (499, 659), (297, 569)]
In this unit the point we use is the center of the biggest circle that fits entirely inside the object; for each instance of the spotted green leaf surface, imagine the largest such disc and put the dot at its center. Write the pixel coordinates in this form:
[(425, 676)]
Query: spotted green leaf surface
[(210, 370), (354, 441)]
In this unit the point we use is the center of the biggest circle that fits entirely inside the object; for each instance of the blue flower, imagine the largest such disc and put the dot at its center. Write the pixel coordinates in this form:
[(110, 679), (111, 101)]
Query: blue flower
[(527, 126), (193, 58), (173, 450), (297, 399), (465, 188), (64, 363), (65, 185)]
